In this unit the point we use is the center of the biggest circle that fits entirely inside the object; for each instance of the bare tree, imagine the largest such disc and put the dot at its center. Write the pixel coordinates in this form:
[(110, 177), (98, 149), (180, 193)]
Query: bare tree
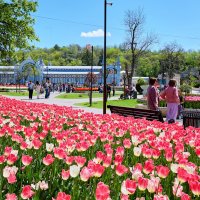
[(90, 78), (172, 59), (136, 42)]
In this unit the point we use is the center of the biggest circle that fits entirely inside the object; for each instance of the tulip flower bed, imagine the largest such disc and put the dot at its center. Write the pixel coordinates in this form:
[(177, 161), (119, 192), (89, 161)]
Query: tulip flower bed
[(53, 152), (85, 89), (192, 102)]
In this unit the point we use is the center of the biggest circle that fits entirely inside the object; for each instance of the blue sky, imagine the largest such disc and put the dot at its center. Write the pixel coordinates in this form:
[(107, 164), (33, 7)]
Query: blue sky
[(65, 22)]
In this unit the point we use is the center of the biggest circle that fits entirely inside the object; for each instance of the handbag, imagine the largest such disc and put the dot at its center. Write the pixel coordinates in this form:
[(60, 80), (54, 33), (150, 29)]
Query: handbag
[(41, 90)]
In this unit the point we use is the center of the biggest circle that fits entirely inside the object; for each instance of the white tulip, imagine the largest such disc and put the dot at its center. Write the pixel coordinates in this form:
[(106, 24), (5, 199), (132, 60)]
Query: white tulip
[(74, 170)]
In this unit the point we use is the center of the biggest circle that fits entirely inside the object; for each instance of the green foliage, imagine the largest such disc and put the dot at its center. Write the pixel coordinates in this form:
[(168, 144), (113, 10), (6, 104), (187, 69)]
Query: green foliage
[(162, 103), (192, 104), (99, 104), (186, 88), (78, 95), (16, 24), (141, 81)]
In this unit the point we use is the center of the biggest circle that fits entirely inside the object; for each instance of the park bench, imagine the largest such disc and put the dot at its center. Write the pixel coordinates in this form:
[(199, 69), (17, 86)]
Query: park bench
[(137, 113), (191, 117)]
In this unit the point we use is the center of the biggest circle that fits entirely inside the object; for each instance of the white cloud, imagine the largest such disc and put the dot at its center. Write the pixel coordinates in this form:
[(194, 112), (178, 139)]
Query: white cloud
[(97, 33)]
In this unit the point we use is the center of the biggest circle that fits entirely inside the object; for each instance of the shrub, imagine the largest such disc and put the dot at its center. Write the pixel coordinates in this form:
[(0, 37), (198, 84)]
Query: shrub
[(186, 88)]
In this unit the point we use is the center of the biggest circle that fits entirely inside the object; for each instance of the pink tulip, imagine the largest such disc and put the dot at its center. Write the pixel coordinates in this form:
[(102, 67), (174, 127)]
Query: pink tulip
[(185, 196), (127, 143), (121, 169), (12, 178), (11, 159), (48, 160), (80, 161), (63, 196), (2, 159), (102, 191), (161, 197), (65, 174), (128, 187), (182, 175), (142, 183), (148, 167), (26, 160), (11, 196), (7, 151), (27, 192), (162, 171), (100, 156), (195, 187), (85, 174), (107, 161)]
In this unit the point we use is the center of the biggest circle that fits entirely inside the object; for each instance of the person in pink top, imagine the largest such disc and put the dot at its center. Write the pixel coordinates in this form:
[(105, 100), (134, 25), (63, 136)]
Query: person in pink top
[(170, 94), (152, 95)]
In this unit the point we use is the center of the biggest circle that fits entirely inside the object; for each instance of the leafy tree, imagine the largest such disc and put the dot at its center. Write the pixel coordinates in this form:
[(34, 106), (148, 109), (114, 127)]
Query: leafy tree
[(16, 26), (56, 47)]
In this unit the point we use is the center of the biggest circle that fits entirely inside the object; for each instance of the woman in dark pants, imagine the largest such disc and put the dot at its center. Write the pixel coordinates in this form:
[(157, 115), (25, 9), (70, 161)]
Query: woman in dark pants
[(30, 89)]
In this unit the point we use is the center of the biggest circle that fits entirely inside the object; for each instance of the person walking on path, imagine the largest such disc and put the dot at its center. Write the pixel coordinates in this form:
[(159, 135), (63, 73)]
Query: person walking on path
[(152, 95), (38, 89), (47, 88), (170, 94), (108, 91), (30, 89)]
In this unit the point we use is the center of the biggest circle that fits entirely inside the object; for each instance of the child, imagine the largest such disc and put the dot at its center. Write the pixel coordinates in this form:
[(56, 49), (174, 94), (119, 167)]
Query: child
[(180, 106)]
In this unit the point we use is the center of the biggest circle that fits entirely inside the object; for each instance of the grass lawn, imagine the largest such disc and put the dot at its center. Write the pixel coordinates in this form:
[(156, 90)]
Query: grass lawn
[(80, 95), (22, 93), (99, 104)]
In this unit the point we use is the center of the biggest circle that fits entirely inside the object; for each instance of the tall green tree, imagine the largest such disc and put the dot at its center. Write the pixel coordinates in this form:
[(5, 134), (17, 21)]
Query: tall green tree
[(16, 26)]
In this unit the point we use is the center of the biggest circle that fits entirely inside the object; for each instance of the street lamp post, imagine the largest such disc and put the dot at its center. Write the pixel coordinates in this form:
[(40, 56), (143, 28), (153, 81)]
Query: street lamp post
[(114, 80), (91, 79), (124, 77), (104, 67)]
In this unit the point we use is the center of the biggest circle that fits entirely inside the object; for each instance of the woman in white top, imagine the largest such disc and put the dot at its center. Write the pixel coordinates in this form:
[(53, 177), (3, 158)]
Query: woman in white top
[(38, 88)]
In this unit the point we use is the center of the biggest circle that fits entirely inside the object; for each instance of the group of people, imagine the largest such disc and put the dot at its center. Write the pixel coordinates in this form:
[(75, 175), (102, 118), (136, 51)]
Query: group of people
[(39, 88), (170, 94)]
